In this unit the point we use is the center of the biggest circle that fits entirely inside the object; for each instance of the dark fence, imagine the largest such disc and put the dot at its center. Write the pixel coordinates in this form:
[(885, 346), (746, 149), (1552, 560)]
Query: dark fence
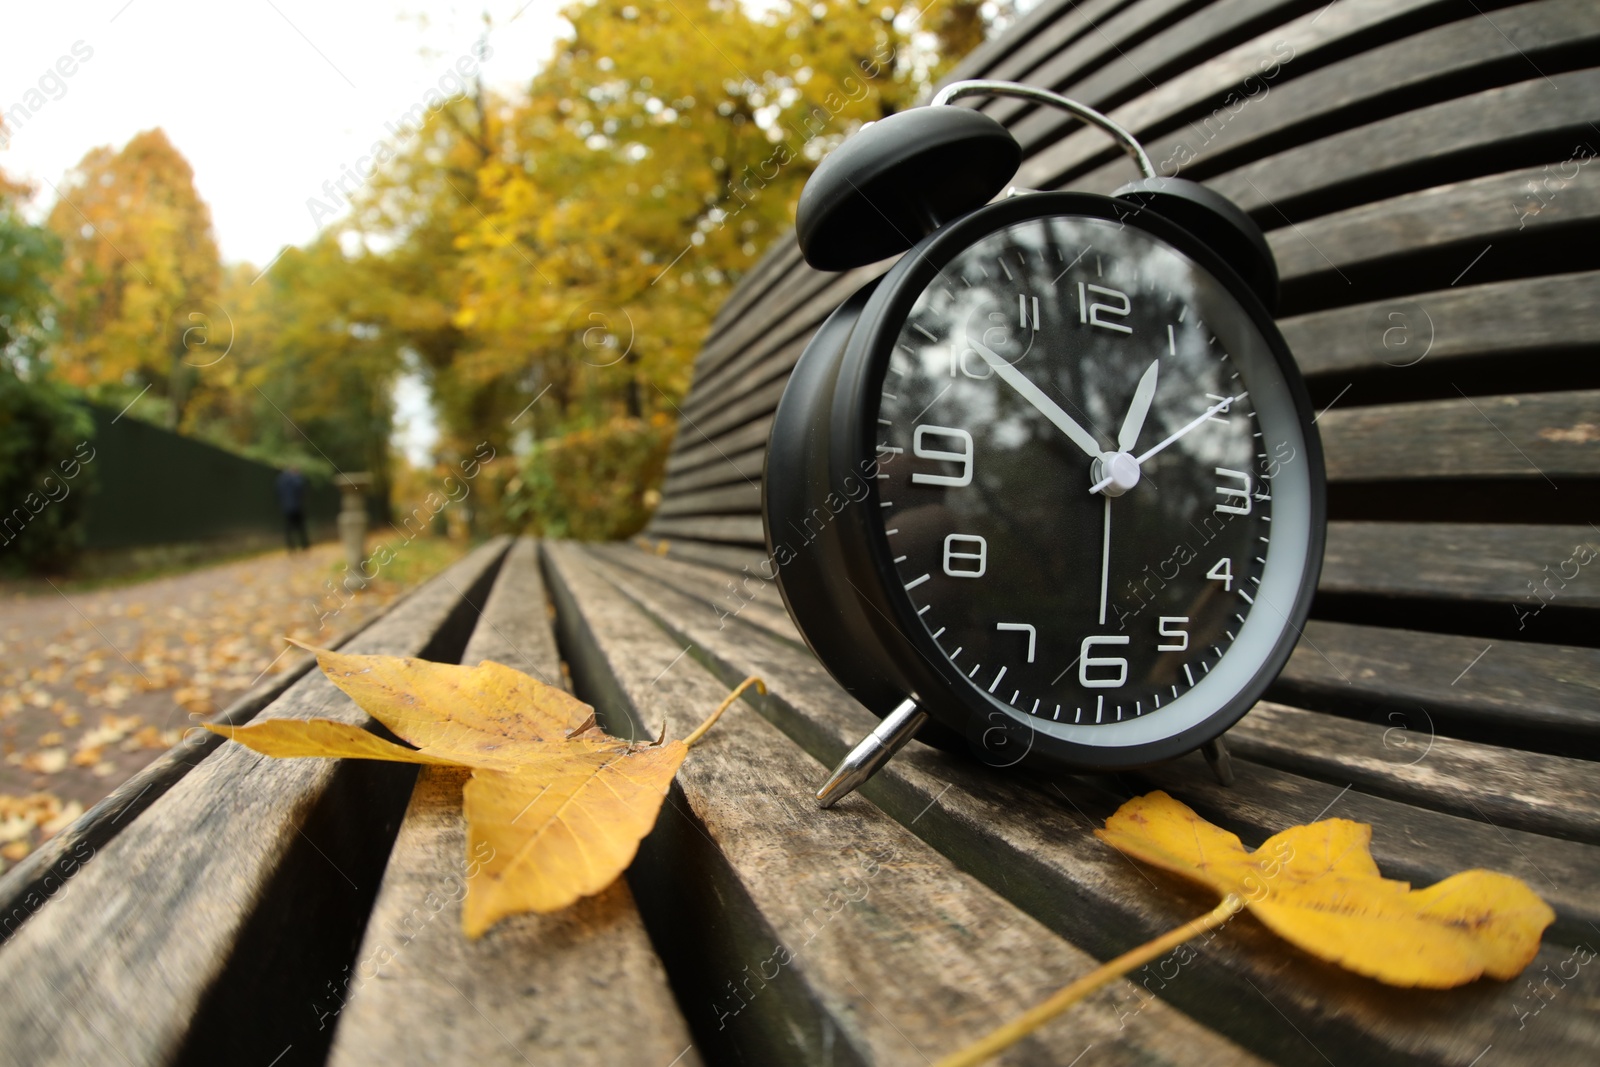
[(152, 487)]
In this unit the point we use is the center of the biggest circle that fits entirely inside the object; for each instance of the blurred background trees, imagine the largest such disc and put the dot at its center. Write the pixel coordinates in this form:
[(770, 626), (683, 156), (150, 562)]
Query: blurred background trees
[(547, 262)]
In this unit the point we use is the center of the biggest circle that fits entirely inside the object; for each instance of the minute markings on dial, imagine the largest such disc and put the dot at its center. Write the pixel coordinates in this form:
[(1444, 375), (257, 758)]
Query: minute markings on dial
[(990, 496)]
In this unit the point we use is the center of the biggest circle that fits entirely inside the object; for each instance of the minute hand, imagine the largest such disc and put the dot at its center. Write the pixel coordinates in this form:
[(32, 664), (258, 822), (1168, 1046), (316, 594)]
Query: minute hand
[(1036, 396), (1220, 405)]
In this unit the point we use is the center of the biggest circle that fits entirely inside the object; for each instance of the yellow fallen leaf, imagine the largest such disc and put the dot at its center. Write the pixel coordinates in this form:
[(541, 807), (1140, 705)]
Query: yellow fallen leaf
[(555, 808), (1318, 887), (46, 761), (561, 826), (288, 738), (480, 716)]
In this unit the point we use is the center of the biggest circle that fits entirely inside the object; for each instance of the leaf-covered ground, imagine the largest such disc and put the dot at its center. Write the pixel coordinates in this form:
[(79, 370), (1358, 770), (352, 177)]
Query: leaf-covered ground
[(94, 685)]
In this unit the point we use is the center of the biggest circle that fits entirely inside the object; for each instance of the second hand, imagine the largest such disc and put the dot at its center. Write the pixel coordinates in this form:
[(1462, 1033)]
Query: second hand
[(1221, 405)]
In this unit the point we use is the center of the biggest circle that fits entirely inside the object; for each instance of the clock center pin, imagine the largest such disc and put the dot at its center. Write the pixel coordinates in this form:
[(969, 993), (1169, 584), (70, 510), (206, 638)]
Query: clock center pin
[(1122, 470)]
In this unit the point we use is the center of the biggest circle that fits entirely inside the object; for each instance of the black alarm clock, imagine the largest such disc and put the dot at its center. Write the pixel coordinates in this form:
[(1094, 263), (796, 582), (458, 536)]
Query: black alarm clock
[(1049, 490)]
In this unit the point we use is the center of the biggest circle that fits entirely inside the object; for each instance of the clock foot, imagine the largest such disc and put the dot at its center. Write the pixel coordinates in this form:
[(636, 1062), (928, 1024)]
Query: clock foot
[(1216, 754), (898, 727)]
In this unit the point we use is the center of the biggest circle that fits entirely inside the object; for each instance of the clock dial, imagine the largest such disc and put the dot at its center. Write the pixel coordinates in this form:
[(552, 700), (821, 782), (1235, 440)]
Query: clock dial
[(1082, 442)]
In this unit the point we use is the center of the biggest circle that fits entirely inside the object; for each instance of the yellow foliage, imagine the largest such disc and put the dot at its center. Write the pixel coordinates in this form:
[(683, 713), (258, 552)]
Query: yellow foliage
[(594, 483), (1318, 887), (138, 254), (555, 808), (562, 825)]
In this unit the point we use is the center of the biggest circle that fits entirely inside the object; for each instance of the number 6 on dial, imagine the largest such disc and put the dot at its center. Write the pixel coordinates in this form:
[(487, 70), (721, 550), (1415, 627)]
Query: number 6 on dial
[(1085, 661)]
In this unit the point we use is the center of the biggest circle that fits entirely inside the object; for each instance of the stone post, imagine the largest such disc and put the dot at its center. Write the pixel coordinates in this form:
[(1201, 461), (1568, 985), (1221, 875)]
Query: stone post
[(353, 524)]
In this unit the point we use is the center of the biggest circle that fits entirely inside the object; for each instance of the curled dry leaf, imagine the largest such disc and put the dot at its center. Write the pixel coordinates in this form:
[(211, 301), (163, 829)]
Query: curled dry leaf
[(1318, 887), (560, 806)]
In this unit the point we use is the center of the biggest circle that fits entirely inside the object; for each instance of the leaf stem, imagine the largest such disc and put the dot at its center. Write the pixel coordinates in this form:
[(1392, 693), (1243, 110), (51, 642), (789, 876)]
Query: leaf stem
[(761, 687), (1003, 1037)]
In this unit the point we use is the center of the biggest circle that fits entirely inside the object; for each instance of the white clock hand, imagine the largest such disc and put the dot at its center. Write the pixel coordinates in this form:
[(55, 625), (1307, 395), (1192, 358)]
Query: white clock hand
[(1036, 396), (1138, 409), (1221, 405), (1105, 562)]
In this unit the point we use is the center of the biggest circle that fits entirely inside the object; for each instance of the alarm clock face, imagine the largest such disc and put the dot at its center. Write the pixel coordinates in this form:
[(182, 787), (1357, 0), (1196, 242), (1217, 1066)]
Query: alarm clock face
[(1099, 503)]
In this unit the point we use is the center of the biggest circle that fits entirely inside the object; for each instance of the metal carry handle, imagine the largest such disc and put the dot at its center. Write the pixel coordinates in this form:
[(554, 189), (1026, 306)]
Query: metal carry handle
[(1089, 115)]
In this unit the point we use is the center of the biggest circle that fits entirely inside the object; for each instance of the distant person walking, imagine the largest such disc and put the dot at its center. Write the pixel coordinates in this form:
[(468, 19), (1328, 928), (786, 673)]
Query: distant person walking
[(292, 499)]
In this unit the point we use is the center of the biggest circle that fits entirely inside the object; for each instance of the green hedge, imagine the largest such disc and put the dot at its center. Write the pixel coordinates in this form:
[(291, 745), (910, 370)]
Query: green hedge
[(46, 467), (595, 484)]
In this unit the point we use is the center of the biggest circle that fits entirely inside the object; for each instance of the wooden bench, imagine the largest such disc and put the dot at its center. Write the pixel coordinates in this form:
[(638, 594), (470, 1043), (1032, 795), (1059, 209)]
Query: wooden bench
[(226, 908)]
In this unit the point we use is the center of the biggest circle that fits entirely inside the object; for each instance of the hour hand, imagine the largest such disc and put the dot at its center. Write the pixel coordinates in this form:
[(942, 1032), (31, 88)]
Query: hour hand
[(1035, 396), (1129, 435)]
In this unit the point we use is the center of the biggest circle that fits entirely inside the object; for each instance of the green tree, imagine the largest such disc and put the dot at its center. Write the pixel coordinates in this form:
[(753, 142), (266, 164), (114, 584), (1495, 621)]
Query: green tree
[(299, 365), (29, 255)]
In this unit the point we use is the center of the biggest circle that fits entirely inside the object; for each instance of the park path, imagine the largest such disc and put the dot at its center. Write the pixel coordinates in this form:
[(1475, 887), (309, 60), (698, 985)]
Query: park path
[(94, 684)]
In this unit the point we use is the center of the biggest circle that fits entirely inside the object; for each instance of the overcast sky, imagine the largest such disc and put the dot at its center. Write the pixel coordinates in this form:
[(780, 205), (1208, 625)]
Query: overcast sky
[(267, 99)]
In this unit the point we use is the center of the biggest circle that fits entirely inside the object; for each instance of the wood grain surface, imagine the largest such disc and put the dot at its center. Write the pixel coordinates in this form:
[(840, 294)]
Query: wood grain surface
[(545, 989), (1282, 1005), (207, 930), (829, 934)]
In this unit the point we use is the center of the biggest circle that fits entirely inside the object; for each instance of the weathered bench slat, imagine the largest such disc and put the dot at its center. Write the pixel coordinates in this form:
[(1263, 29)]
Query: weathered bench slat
[(698, 450), (1551, 435), (736, 412), (1504, 787), (731, 529), (1564, 804), (191, 933), (1415, 685), (896, 955), (1521, 695), (1495, 207), (730, 468), (795, 313), (1278, 1003), (741, 496), (743, 594), (1302, 182), (724, 561), (1411, 844), (546, 989), (1442, 60), (1168, 104), (1501, 563), (1045, 30), (1139, 36), (1550, 318)]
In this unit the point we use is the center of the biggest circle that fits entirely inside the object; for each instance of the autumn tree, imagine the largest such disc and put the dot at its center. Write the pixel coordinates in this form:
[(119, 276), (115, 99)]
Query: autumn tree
[(416, 209), (309, 378), (138, 256), (656, 156)]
